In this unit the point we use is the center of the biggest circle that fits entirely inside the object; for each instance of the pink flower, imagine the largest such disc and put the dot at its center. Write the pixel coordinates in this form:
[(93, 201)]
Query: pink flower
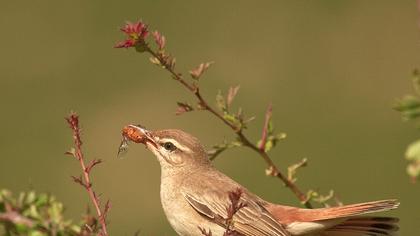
[(136, 32), (126, 43)]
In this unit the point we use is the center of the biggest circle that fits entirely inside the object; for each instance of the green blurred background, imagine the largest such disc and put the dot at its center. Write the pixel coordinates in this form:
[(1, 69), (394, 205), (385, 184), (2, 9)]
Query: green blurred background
[(331, 68)]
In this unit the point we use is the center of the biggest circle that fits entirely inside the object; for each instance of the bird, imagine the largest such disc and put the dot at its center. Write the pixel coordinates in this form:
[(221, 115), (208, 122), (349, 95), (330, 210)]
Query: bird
[(195, 197)]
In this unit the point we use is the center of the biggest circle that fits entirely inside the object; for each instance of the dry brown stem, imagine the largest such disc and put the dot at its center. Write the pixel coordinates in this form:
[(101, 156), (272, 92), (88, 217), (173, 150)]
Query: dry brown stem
[(85, 180)]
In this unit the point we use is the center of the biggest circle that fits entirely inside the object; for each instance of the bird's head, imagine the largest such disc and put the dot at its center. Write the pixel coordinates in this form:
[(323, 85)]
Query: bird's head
[(173, 148)]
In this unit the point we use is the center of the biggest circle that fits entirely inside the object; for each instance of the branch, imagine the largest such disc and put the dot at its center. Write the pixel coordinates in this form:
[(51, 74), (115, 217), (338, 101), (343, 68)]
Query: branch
[(16, 218), (194, 88), (204, 232), (73, 121), (235, 204), (232, 209), (136, 35)]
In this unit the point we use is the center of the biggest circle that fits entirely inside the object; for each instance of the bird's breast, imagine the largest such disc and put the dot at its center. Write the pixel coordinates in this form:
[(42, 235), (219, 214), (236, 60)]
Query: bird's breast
[(182, 217)]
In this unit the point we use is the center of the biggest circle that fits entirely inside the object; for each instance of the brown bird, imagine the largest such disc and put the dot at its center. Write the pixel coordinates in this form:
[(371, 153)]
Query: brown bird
[(194, 195)]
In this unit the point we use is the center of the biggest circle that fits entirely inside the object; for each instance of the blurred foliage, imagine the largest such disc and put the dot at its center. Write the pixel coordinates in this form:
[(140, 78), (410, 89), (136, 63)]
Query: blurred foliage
[(39, 214), (409, 107), (413, 156)]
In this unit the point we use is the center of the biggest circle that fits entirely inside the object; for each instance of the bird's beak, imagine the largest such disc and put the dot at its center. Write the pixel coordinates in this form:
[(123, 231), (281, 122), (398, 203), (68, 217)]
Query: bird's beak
[(139, 134)]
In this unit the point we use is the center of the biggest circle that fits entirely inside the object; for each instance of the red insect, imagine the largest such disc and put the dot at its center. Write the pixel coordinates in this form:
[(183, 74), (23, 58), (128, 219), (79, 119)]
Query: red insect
[(133, 133)]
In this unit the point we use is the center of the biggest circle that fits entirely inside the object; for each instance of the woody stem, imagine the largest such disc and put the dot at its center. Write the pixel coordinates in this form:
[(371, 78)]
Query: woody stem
[(193, 88)]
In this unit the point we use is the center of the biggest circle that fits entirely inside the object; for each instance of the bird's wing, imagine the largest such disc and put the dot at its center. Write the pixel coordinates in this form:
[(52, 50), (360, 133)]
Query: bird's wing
[(253, 219)]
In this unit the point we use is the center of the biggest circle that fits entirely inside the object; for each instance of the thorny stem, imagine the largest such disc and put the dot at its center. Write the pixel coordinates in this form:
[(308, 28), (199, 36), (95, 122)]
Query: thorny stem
[(274, 170), (74, 125), (92, 193)]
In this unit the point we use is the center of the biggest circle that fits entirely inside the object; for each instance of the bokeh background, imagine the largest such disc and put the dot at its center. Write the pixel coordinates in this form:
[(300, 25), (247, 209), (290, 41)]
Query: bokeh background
[(332, 69)]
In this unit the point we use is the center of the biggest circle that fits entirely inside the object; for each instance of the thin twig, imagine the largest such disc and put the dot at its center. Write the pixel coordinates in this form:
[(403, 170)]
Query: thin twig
[(16, 218), (73, 121), (235, 205), (264, 135), (273, 169)]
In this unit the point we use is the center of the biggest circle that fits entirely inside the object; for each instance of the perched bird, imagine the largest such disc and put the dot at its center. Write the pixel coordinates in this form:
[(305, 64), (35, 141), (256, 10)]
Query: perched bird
[(195, 196)]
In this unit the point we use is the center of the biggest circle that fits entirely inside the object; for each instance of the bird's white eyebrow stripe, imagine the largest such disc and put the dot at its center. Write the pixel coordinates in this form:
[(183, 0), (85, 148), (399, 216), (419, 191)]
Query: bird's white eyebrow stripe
[(178, 145)]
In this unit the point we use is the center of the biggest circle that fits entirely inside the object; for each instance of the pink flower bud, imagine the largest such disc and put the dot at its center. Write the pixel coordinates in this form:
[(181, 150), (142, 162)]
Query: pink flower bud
[(159, 39)]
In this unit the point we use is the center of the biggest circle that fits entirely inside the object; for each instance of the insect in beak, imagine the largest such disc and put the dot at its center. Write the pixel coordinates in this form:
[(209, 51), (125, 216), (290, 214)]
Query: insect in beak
[(137, 134)]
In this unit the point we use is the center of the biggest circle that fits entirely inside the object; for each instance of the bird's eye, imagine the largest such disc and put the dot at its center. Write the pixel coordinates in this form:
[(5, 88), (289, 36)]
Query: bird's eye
[(169, 146)]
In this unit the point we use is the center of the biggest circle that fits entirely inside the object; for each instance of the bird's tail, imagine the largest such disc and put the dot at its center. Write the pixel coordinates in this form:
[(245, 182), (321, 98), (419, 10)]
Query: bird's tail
[(338, 221), (365, 226), (287, 215), (353, 209)]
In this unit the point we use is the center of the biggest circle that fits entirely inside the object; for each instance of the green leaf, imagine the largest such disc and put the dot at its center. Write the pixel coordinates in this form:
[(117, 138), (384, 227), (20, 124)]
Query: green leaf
[(32, 212), (315, 196), (272, 141), (71, 152), (231, 118), (413, 151), (416, 81), (37, 233), (55, 212), (21, 200), (411, 114), (41, 200), (220, 101), (219, 148), (75, 228), (269, 145), (30, 197), (6, 196), (413, 170), (270, 127), (292, 169), (408, 102), (281, 136), (21, 228), (412, 154)]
